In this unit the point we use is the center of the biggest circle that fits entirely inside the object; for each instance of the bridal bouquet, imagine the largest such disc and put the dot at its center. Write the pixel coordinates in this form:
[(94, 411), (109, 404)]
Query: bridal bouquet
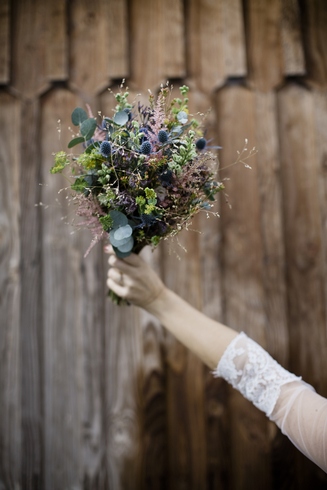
[(143, 174)]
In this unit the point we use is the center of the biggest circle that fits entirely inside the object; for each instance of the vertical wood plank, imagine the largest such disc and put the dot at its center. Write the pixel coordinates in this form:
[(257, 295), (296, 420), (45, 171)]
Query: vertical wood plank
[(118, 39), (147, 51), (320, 111), (73, 318), (10, 375), (174, 60), (30, 307), (89, 46), (62, 311), (216, 413), (153, 394), (263, 40), (212, 62), (292, 45), (234, 38), (268, 167), (303, 234), (5, 11), (29, 47), (124, 378), (314, 15), (57, 40), (304, 247), (185, 384), (244, 300)]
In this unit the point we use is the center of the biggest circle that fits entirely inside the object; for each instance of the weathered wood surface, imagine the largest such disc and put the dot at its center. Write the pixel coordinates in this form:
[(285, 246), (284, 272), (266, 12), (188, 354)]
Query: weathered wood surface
[(269, 184), (243, 291), (10, 362), (304, 246), (263, 40), (156, 53), (315, 41), (292, 45), (57, 40), (29, 47), (30, 305), (5, 41), (186, 417), (97, 397)]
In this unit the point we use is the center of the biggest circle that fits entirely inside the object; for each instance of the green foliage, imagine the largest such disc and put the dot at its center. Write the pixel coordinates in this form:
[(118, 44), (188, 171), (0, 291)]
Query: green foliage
[(78, 116), (106, 222), (61, 161), (79, 184), (90, 160), (88, 127), (76, 141), (155, 240), (150, 193), (184, 89)]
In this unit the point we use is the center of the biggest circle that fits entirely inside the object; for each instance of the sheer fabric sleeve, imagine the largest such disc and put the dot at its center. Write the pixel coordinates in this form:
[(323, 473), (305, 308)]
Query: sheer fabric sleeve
[(291, 403)]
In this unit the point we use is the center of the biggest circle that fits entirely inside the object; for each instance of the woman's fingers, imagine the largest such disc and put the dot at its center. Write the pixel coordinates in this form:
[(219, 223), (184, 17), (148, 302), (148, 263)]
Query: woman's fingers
[(116, 288)]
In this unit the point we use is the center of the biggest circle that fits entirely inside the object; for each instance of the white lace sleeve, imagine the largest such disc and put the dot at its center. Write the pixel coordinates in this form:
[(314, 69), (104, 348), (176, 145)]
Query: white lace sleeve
[(291, 403)]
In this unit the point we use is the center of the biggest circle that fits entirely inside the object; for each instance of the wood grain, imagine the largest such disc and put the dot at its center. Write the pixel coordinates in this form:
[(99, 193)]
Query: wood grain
[(147, 51), (263, 41), (57, 40), (304, 254), (124, 379), (73, 313), (269, 181), (320, 114), (292, 44), (31, 299), (304, 246), (212, 62), (10, 364), (89, 46), (243, 291), (5, 11), (234, 38), (174, 41), (155, 466), (118, 39), (29, 47), (185, 384), (314, 14)]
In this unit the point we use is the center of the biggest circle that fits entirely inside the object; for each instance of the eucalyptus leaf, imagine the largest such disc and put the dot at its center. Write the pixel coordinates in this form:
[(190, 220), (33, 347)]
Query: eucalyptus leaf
[(182, 117), (76, 141), (88, 128), (127, 247), (117, 243), (123, 232), (78, 116), (121, 255), (92, 147), (121, 118), (119, 219)]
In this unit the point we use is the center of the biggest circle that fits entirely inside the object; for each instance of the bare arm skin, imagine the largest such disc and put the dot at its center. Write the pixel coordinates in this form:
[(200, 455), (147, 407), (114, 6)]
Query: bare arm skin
[(141, 286)]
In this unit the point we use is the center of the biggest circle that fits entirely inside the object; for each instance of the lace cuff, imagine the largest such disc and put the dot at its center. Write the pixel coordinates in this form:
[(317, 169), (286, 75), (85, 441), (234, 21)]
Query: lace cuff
[(253, 372)]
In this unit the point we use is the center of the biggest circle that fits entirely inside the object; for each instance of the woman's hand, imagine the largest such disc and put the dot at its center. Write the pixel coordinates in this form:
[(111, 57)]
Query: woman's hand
[(133, 279)]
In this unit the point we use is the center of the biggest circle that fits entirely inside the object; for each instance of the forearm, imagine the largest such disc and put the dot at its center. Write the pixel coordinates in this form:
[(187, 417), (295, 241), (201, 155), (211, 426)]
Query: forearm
[(206, 338)]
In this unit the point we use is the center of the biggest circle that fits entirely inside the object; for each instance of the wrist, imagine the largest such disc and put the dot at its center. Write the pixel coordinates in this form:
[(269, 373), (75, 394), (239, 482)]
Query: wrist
[(157, 305)]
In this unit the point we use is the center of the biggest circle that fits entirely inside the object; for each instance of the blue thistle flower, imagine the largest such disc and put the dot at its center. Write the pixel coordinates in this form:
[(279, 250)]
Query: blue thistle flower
[(146, 148), (201, 143), (147, 219), (162, 136), (105, 149)]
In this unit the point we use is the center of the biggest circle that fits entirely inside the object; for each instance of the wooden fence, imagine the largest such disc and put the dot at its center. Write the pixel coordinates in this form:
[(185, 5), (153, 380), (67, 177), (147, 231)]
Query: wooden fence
[(97, 397)]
